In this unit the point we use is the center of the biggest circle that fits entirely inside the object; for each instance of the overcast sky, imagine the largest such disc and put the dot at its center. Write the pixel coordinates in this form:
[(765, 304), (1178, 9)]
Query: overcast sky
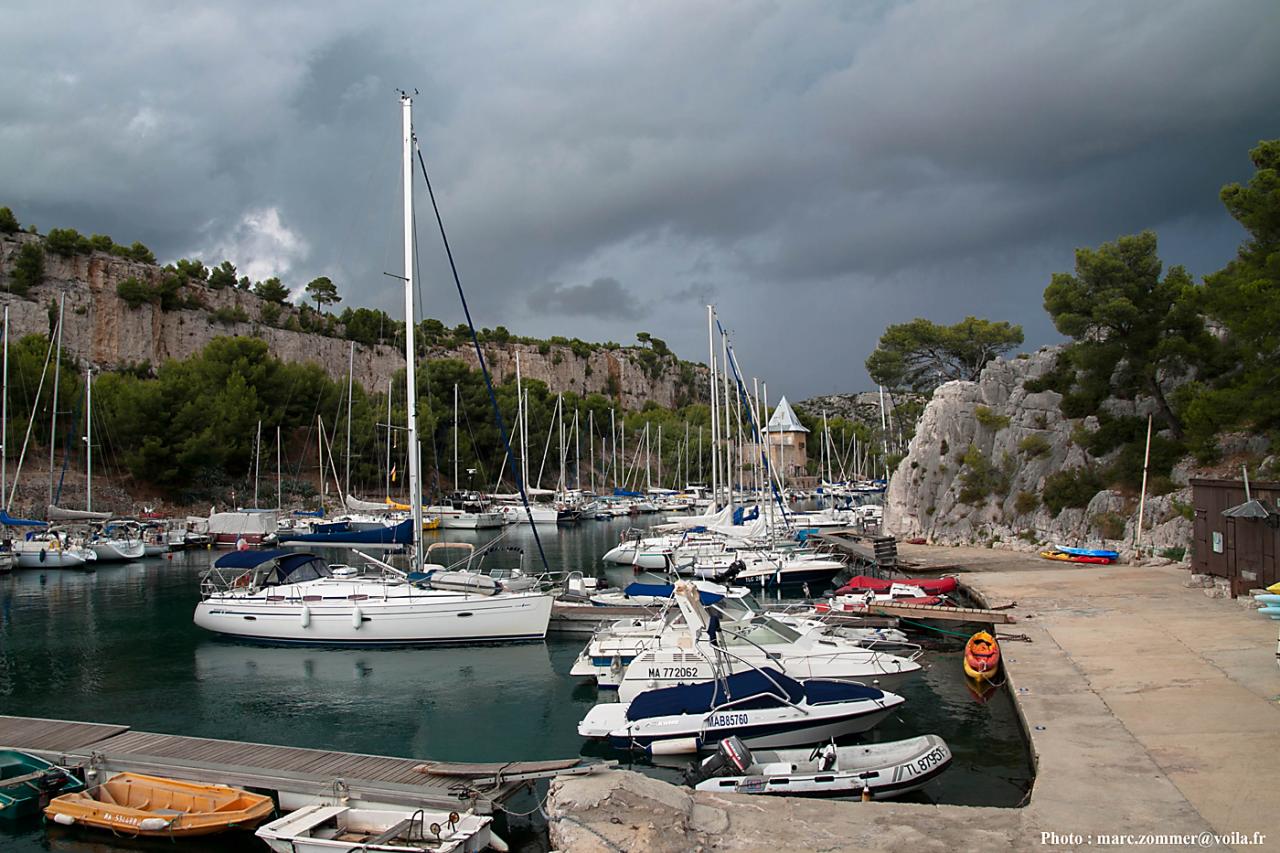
[(817, 170)]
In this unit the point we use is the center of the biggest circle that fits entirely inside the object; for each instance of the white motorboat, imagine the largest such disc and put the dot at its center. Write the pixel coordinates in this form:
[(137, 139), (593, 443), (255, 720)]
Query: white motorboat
[(284, 596), (117, 550), (704, 646), (331, 829), (881, 770), (761, 706)]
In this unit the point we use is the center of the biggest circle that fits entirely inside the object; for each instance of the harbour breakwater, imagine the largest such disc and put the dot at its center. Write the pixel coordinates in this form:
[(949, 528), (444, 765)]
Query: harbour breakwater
[(989, 459), (102, 328)]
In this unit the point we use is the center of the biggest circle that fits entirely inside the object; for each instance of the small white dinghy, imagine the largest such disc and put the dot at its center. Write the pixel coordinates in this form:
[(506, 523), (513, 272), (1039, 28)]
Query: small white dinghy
[(882, 770), (327, 829)]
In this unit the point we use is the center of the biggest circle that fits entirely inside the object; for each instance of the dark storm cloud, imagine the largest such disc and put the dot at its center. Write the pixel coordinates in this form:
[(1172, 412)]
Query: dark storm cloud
[(604, 298), (820, 169)]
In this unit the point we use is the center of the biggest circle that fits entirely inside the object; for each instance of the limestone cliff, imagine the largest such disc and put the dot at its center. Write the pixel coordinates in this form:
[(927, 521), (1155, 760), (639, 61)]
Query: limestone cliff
[(101, 328), (976, 470)]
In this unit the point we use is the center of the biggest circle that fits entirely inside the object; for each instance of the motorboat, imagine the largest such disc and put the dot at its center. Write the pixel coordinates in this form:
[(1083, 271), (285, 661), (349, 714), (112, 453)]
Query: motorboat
[(705, 646), (329, 829), (27, 783), (876, 771), (295, 597), (612, 649), (762, 706), (134, 804)]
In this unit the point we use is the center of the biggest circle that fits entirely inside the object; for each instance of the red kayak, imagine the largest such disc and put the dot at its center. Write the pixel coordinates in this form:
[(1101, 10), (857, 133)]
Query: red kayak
[(862, 583)]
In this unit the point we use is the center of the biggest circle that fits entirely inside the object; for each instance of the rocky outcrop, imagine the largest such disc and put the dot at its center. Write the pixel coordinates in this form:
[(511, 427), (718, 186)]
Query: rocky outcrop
[(976, 470), (102, 329)]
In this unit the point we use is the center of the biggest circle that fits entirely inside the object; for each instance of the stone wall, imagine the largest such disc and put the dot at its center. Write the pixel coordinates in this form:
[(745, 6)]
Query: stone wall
[(102, 329)]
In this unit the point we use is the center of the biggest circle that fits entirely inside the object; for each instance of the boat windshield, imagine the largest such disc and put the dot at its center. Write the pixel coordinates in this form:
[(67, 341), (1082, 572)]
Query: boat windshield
[(295, 571), (735, 609), (760, 631)]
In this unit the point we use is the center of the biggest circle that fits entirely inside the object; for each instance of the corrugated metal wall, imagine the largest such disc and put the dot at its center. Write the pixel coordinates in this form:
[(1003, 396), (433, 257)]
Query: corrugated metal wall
[(1239, 549)]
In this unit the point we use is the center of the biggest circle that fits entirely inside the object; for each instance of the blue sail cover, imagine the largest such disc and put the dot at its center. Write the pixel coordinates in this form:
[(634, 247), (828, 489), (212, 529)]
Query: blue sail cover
[(401, 534), (623, 493), (666, 590), (250, 559), (9, 521), (740, 516)]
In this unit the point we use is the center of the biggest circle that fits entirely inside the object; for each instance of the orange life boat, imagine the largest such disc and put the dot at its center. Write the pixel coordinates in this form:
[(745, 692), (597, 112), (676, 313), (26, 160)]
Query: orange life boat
[(981, 656), (132, 804)]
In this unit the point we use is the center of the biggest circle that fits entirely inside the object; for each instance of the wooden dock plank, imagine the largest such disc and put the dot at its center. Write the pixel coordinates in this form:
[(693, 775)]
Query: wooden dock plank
[(302, 771), (53, 735)]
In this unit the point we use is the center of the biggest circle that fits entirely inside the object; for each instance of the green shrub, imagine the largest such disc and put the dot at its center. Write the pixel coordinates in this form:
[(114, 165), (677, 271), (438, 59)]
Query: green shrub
[(66, 242), (269, 314), (980, 477), (544, 348), (227, 316), (135, 293), (1074, 487), (1041, 421), (1162, 485), (1175, 554), (1110, 525), (28, 269), (1035, 446), (990, 419), (8, 222), (1026, 503), (101, 243), (1187, 511)]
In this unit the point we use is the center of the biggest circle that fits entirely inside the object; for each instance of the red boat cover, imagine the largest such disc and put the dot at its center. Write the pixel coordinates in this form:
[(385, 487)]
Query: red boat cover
[(933, 586)]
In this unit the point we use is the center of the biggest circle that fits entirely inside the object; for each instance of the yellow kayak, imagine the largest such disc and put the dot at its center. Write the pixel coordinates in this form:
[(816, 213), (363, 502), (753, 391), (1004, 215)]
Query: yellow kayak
[(132, 804), (981, 656), (1275, 587)]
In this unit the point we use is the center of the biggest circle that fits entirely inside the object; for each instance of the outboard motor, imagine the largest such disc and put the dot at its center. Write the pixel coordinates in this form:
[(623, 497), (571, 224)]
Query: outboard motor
[(736, 568), (731, 758)]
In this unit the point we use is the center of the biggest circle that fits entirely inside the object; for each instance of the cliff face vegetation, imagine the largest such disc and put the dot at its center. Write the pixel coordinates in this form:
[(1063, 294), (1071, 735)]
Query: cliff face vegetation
[(125, 313), (1052, 447)]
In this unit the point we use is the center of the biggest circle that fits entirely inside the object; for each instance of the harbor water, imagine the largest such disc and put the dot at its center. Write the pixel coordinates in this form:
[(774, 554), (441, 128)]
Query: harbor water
[(118, 645)]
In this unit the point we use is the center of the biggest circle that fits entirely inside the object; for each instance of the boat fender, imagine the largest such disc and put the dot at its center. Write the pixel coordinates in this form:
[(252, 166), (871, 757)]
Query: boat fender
[(63, 819), (305, 616), (42, 555), (497, 843), (357, 616), (675, 746), (152, 824)]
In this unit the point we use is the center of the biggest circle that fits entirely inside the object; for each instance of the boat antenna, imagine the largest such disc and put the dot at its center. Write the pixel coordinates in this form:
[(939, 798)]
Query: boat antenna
[(484, 369)]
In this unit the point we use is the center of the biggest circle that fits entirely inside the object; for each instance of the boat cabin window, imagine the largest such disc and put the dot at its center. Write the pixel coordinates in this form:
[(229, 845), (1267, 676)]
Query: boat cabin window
[(290, 572)]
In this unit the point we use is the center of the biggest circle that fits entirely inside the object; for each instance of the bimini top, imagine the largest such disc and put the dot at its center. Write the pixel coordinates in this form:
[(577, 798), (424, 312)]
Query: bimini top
[(769, 687), (666, 590), (289, 567)]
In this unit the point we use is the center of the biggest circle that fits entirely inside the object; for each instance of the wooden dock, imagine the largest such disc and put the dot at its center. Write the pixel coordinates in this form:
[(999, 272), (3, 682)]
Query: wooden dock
[(297, 775), (934, 612)]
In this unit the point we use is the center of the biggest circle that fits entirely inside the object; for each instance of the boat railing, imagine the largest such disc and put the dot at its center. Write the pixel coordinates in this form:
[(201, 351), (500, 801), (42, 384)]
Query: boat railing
[(719, 666)]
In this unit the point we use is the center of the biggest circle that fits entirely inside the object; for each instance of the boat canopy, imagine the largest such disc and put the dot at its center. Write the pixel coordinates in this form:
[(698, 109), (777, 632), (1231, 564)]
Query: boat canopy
[(769, 687), (288, 566), (666, 590), (9, 521)]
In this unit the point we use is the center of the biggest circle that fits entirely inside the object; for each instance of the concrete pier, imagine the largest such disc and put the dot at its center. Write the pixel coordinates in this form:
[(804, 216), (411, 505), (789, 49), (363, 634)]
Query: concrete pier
[(1151, 710)]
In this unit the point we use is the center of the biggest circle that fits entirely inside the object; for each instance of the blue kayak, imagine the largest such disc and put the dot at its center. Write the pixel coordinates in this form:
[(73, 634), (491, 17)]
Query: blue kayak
[(1088, 552)]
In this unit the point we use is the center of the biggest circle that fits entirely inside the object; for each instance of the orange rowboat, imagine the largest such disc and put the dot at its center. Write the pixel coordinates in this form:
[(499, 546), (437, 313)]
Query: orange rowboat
[(132, 804), (981, 656)]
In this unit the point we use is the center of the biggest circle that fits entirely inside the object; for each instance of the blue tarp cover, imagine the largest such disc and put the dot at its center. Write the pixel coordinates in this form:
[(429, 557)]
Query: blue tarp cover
[(701, 698), (623, 493), (401, 534), (666, 590), (10, 521)]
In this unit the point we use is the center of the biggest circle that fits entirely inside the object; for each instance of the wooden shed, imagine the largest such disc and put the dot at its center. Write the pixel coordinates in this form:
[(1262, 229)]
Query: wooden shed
[(1241, 547)]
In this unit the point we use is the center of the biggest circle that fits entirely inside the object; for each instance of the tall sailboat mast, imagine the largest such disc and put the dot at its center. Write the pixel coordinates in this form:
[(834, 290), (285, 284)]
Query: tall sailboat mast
[(4, 420), (411, 385), (88, 439), (53, 413)]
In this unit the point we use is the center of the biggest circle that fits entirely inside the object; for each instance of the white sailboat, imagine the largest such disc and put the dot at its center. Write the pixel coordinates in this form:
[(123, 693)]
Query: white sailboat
[(291, 597)]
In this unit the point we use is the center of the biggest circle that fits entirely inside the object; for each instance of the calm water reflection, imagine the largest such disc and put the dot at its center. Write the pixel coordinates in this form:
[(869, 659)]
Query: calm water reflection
[(118, 645)]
